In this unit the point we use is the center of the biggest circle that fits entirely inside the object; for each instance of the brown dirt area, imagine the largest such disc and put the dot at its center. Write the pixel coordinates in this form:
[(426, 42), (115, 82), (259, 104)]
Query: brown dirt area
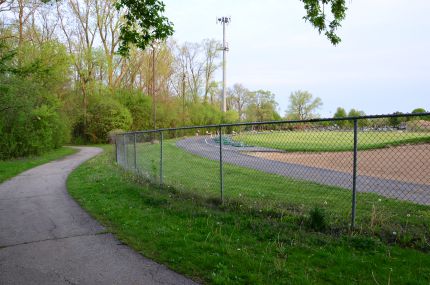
[(409, 163)]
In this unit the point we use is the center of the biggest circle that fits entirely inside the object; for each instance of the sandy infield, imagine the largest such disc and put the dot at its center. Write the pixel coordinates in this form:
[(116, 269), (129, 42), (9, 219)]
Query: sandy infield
[(409, 163)]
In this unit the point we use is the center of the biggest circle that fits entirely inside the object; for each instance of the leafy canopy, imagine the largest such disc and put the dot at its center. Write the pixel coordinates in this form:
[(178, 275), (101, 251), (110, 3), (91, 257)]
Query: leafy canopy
[(317, 16), (303, 105), (144, 24)]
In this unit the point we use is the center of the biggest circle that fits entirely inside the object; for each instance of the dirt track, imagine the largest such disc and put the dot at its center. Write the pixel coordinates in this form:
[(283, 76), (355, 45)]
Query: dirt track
[(410, 163), (399, 189)]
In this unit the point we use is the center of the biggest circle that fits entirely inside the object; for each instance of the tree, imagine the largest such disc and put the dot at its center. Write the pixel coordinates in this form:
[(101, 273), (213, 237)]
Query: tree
[(240, 96), (139, 106), (261, 106), (106, 115), (417, 111), (80, 29), (211, 53), (195, 68), (340, 113), (144, 24), (69, 54), (144, 20), (316, 15), (357, 113), (396, 121), (302, 105), (30, 118), (108, 27)]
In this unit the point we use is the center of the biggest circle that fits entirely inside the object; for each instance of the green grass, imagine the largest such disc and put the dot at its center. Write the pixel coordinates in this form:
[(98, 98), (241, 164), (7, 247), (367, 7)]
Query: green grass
[(376, 215), (330, 140), (11, 168), (231, 244)]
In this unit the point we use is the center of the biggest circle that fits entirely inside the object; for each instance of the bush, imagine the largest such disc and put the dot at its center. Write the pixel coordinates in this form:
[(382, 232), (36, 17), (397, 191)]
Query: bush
[(112, 135), (139, 105), (30, 120), (28, 127), (32, 133), (104, 115), (317, 219)]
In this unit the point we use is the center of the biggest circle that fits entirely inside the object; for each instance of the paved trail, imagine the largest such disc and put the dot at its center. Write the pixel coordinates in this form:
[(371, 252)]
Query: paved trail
[(46, 238), (206, 147)]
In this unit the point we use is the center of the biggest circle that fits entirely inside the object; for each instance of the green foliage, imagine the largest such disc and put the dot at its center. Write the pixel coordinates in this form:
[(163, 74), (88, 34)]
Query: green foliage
[(230, 117), (417, 111), (235, 244), (143, 24), (302, 105), (139, 105), (6, 56), (104, 115), (26, 127), (168, 114), (316, 15), (261, 106), (30, 120), (317, 219), (49, 63), (356, 113), (201, 114), (340, 113), (396, 121)]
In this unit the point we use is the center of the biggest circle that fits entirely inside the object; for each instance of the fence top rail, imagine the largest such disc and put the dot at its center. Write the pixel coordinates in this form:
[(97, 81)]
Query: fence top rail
[(281, 122)]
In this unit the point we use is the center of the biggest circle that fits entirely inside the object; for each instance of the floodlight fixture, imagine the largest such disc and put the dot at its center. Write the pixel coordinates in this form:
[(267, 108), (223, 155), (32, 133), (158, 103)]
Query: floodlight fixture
[(224, 21)]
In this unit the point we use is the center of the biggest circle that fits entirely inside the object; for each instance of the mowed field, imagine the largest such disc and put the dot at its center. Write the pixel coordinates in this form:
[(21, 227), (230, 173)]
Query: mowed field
[(236, 243), (196, 175), (396, 155), (318, 141)]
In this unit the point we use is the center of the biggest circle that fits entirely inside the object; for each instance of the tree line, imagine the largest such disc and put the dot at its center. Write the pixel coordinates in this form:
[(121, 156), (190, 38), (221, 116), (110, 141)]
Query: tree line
[(75, 70), (62, 79)]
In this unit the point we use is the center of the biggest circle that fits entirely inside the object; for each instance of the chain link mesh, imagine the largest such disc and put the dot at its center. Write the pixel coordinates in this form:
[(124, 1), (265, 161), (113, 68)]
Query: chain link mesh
[(294, 167)]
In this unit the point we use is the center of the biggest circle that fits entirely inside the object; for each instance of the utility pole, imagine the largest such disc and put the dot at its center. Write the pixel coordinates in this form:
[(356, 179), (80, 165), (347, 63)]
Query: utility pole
[(154, 106), (183, 99), (224, 21)]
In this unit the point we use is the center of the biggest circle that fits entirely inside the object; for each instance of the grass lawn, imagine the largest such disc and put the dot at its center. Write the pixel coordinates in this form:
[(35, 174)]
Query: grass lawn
[(11, 168), (330, 140), (269, 192), (231, 244)]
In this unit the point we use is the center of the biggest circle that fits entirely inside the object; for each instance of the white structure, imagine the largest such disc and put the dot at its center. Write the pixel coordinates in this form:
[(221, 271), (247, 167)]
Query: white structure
[(224, 21)]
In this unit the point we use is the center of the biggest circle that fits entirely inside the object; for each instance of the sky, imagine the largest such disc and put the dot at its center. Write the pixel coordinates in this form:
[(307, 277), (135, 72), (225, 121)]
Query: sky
[(381, 66)]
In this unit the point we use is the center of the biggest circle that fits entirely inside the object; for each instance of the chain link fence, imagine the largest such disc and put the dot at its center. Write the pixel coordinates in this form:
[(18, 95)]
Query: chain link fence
[(371, 173)]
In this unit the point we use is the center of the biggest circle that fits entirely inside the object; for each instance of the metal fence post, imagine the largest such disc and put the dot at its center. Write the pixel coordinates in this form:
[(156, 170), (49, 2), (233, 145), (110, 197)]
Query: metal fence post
[(125, 152), (135, 153), (221, 170), (116, 148), (161, 158), (354, 174)]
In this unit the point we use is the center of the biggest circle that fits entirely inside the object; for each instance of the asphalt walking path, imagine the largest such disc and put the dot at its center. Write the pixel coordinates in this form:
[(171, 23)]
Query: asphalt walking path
[(205, 146), (46, 238)]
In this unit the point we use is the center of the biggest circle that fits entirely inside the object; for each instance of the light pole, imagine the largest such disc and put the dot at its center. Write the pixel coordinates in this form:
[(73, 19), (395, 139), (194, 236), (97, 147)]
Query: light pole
[(224, 21), (154, 103)]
